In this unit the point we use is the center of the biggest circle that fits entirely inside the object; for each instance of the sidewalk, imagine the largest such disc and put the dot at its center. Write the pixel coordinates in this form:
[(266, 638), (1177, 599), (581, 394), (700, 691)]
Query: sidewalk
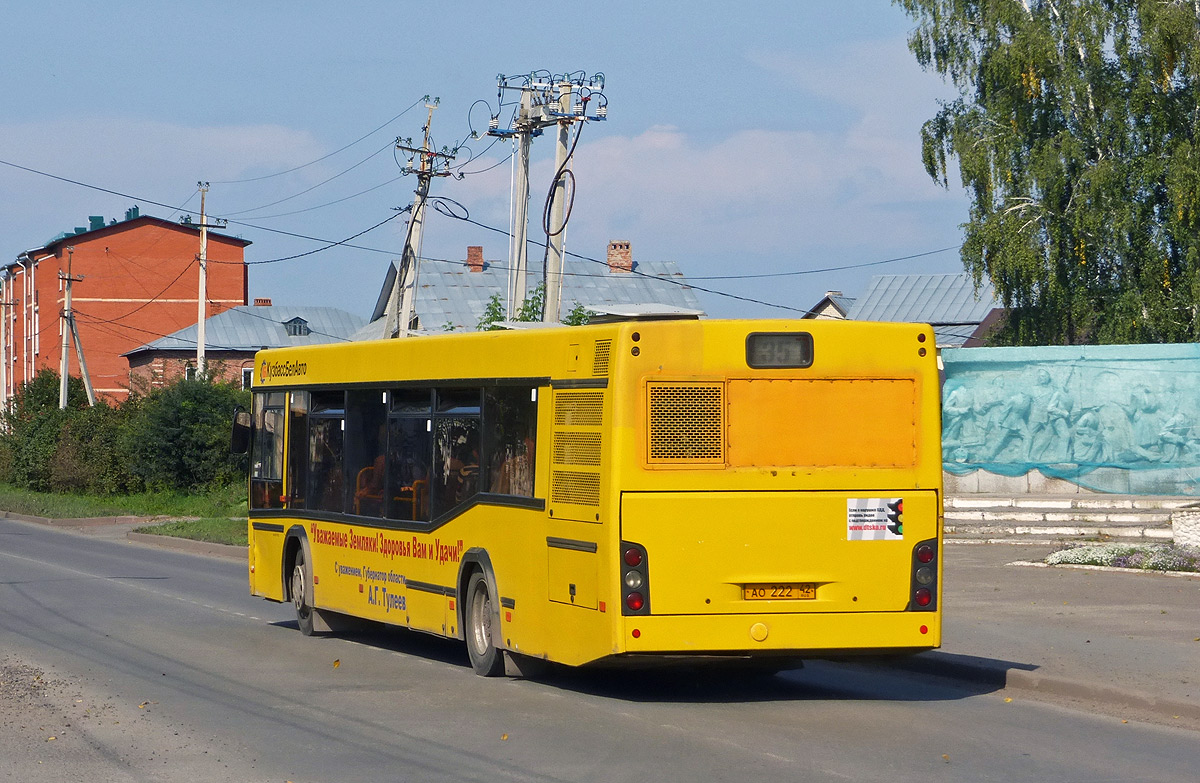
[(1129, 641)]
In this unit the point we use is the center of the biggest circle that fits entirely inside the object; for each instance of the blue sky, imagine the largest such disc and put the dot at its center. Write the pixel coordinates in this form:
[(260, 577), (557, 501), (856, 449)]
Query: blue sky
[(778, 138)]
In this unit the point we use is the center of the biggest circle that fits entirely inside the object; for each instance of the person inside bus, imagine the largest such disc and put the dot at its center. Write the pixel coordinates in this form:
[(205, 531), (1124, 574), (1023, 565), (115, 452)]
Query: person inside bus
[(368, 491)]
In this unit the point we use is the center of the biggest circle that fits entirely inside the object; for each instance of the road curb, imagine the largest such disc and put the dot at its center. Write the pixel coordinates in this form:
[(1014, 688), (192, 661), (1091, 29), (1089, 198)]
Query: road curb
[(229, 551), (1024, 677), (76, 521)]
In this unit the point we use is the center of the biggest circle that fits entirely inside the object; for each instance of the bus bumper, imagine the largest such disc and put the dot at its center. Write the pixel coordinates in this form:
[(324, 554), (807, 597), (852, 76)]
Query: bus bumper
[(817, 634)]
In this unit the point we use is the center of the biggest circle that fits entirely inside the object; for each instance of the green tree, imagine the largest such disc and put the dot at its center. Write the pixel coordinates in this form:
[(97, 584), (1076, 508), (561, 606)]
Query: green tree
[(530, 310), (182, 436), (1075, 132)]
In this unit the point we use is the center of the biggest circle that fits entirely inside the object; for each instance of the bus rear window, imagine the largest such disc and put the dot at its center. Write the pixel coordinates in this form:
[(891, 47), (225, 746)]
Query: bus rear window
[(765, 350)]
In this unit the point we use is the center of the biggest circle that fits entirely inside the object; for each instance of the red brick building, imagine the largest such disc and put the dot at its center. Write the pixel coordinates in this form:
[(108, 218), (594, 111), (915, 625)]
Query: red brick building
[(135, 280)]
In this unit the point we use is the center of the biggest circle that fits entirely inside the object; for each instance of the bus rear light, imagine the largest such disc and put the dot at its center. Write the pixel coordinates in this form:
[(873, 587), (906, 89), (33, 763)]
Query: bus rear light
[(922, 596), (635, 579)]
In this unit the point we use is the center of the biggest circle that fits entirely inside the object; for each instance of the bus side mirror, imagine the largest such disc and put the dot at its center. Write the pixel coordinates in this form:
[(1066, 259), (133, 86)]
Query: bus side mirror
[(240, 439)]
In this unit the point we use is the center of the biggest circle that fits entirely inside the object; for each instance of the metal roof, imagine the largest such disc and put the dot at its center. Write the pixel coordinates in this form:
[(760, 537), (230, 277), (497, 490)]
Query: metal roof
[(937, 299), (450, 295), (249, 328), (947, 302)]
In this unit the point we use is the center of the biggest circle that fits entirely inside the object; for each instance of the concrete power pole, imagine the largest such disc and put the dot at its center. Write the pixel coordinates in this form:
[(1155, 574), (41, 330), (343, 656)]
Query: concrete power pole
[(518, 248), (202, 295), (402, 302), (557, 230), (545, 101), (69, 330)]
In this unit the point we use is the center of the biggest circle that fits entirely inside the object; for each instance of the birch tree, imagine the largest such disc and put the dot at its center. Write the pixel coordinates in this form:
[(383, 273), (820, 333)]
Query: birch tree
[(1075, 135)]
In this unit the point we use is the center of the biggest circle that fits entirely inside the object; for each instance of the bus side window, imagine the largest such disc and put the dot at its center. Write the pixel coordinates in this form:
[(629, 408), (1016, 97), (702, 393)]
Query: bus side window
[(325, 437), (456, 448), (410, 445), (510, 419), (297, 463), (266, 453), (366, 445)]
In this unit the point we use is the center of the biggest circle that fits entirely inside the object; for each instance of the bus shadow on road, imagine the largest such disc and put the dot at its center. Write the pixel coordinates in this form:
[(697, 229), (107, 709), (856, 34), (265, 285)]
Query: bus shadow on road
[(816, 681), (927, 677)]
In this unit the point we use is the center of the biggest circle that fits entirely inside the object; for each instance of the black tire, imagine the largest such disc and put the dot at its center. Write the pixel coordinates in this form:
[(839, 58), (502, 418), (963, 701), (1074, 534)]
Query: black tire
[(480, 616), (300, 597)]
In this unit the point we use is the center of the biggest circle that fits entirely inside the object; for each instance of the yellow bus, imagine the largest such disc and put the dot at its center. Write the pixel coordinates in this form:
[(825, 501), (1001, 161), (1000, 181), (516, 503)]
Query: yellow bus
[(608, 493)]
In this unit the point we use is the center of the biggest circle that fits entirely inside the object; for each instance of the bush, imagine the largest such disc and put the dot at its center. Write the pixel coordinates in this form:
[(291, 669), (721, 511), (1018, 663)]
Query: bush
[(181, 436), (175, 438)]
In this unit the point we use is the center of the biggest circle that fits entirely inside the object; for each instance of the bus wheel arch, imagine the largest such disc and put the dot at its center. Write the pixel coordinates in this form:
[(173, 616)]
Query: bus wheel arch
[(479, 614), (297, 575)]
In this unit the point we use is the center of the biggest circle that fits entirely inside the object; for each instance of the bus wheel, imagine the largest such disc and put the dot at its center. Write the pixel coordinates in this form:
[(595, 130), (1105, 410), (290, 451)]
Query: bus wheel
[(486, 660), (300, 597)]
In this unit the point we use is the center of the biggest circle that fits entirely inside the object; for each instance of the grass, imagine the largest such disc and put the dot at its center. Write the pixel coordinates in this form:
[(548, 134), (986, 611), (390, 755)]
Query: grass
[(218, 530), (216, 516), (226, 502), (1145, 557)]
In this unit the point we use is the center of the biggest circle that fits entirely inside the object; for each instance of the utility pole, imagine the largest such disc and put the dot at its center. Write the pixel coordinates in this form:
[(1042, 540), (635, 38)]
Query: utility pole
[(556, 229), (202, 296), (69, 330), (202, 292), (546, 101), (431, 164)]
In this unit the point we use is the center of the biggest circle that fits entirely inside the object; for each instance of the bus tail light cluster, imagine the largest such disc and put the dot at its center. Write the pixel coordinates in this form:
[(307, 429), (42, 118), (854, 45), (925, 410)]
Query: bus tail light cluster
[(923, 594), (635, 579)]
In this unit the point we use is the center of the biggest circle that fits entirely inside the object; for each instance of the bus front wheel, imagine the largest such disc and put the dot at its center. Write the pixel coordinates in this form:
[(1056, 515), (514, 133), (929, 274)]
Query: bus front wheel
[(486, 660), (300, 597)]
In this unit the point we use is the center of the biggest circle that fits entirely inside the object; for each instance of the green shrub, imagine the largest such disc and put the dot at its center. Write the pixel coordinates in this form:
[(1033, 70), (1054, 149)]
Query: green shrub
[(181, 436), (175, 438)]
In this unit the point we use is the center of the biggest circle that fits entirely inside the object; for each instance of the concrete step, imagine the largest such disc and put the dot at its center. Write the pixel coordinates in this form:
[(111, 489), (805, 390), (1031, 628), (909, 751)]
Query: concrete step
[(1063, 502), (1052, 518)]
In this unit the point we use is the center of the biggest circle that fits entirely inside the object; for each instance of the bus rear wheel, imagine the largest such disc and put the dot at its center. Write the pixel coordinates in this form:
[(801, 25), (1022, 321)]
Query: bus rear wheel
[(300, 597), (486, 660)]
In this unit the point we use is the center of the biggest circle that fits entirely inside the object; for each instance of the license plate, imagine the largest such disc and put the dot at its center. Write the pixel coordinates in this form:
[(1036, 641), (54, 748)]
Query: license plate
[(788, 591)]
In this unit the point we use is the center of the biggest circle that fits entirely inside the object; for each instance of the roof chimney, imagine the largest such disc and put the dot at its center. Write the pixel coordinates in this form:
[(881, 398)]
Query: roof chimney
[(262, 301), (620, 256), (475, 258)]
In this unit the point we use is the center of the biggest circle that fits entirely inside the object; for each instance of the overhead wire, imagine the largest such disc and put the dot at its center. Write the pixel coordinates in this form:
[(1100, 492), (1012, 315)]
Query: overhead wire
[(392, 252), (323, 157), (311, 188)]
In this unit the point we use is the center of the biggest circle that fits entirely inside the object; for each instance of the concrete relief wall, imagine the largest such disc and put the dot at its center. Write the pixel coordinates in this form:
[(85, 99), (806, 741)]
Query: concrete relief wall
[(1104, 418)]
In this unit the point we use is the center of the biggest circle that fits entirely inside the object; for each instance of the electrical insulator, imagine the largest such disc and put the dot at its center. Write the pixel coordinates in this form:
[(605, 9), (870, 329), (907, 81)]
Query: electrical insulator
[(494, 123), (602, 112)]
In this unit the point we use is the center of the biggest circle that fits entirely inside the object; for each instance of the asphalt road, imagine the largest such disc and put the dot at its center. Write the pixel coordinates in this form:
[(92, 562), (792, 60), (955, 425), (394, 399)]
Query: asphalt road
[(124, 663)]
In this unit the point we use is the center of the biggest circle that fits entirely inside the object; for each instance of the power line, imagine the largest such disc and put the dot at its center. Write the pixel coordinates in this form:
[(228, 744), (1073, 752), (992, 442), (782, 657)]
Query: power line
[(331, 203), (323, 157), (392, 252), (314, 187)]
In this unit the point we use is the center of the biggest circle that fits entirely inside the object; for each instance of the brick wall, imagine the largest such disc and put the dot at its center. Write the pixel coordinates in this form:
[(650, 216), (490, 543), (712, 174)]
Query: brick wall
[(139, 282)]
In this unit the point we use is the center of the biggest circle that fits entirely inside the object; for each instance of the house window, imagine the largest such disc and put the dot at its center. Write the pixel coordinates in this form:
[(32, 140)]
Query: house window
[(297, 327), (247, 377), (189, 373)]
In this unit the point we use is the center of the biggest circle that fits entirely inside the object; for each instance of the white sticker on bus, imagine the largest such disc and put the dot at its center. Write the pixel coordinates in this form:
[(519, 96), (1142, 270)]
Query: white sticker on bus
[(874, 519)]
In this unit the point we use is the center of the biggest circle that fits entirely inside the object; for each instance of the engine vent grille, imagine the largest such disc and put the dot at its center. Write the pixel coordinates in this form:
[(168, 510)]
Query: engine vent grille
[(569, 486), (577, 448), (578, 409), (600, 358), (687, 423)]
